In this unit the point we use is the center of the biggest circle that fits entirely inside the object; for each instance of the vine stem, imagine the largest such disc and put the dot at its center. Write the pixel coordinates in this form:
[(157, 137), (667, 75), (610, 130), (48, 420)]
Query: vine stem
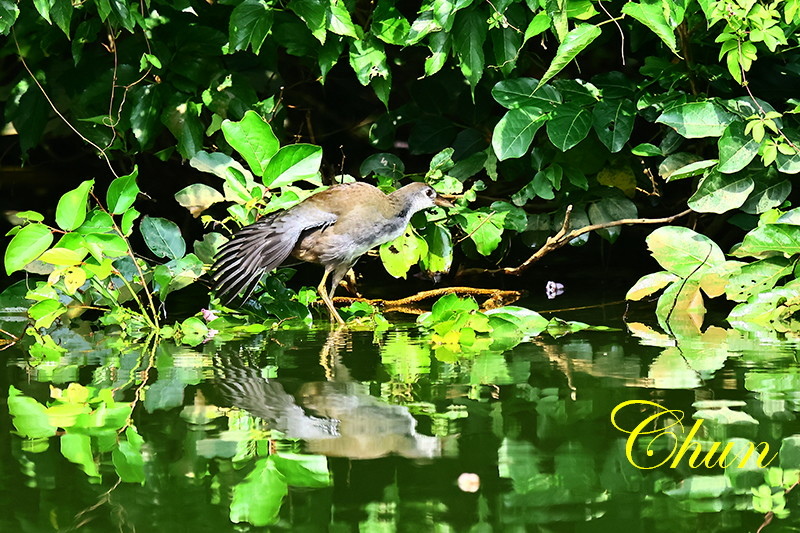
[(55, 109), (153, 321)]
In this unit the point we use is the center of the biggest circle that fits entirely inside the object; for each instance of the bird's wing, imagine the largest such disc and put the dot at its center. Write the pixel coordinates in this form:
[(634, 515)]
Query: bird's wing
[(261, 247)]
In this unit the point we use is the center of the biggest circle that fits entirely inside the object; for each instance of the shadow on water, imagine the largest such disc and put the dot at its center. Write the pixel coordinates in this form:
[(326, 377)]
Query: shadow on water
[(346, 430)]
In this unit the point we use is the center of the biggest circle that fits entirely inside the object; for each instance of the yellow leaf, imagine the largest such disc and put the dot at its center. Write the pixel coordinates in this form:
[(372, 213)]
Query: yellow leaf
[(621, 178), (74, 277)]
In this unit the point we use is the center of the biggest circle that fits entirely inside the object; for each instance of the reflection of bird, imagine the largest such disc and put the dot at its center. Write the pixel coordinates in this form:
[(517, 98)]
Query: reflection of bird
[(333, 228), (351, 423)]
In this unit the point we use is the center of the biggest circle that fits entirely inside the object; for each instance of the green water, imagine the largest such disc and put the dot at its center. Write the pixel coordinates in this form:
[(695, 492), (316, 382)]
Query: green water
[(301, 430)]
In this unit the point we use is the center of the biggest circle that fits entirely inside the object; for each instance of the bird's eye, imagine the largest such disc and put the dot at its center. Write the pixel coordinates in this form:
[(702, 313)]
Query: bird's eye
[(431, 193)]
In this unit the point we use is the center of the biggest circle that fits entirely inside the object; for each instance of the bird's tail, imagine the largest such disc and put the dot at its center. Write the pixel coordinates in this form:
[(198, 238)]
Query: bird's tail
[(252, 251)]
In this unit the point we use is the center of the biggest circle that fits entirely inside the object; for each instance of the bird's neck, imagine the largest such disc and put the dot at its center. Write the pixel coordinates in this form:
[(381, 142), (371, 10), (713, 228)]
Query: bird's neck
[(401, 205)]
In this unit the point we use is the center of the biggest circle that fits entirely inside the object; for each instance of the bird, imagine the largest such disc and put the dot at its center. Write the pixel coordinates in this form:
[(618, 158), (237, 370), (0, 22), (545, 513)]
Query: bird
[(333, 228)]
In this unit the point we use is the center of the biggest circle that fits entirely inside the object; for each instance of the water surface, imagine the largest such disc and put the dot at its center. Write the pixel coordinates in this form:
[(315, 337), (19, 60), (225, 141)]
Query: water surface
[(346, 430)]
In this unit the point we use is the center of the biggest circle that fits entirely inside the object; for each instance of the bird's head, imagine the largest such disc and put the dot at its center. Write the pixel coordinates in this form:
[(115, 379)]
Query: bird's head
[(419, 196)]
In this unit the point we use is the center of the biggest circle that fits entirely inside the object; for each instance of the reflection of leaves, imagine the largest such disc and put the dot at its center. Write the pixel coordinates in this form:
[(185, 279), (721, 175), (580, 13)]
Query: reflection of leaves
[(257, 500), (29, 416)]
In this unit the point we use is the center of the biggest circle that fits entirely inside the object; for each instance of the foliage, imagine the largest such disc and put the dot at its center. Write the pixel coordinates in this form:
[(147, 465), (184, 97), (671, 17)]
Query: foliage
[(764, 288), (500, 111), (458, 326)]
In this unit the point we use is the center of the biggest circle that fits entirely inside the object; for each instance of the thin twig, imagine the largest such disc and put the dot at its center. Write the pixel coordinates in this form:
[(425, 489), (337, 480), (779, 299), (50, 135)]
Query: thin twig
[(53, 106)]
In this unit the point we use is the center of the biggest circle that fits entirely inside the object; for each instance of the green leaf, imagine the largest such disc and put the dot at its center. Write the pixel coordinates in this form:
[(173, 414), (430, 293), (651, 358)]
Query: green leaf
[(253, 138), (63, 256), (183, 121), (767, 194), (697, 119), (439, 44), (77, 448), (122, 193), (557, 13), (257, 499), (177, 274), (72, 207), (250, 23), (514, 132), (568, 126), (146, 105), (718, 193), (757, 277), (314, 13), (483, 233), (652, 14), (388, 24), (469, 34), (383, 164), (736, 149), (198, 197), (44, 313), (439, 258), (683, 251), (28, 244), (399, 255), (646, 150), (613, 122), (649, 284), (609, 209), (368, 59), (43, 7), (8, 15), (292, 163), (207, 249), (105, 245), (691, 170), (770, 240), (61, 13), (571, 45), (339, 21), (29, 416), (525, 92), (163, 237)]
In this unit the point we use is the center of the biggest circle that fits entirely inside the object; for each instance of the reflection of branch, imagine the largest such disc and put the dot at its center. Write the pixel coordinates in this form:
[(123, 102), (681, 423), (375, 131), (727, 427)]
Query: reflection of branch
[(496, 298), (563, 237)]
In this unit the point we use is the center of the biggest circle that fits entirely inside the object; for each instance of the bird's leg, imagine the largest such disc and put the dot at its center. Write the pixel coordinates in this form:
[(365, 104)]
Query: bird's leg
[(328, 298)]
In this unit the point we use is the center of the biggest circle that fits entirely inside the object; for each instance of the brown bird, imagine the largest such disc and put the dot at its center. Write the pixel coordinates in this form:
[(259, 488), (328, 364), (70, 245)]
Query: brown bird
[(334, 228)]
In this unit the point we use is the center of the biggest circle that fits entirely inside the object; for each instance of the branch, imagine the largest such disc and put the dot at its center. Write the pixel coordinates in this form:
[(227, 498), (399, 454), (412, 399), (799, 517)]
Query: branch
[(563, 237), (496, 298)]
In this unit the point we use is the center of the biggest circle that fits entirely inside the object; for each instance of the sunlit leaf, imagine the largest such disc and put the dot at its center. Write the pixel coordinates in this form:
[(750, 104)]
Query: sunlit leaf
[(514, 133), (253, 138), (28, 244), (292, 163), (571, 45), (122, 193), (697, 119), (73, 205), (198, 197)]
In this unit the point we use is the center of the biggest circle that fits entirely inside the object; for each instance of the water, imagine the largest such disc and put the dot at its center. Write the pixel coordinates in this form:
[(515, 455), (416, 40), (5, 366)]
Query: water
[(301, 430)]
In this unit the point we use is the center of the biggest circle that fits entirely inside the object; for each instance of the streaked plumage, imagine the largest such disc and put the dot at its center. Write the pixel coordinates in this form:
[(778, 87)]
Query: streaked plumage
[(333, 228)]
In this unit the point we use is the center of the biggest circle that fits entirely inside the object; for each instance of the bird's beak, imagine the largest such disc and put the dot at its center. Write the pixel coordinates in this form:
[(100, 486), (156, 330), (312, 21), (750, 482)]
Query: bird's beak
[(441, 202)]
